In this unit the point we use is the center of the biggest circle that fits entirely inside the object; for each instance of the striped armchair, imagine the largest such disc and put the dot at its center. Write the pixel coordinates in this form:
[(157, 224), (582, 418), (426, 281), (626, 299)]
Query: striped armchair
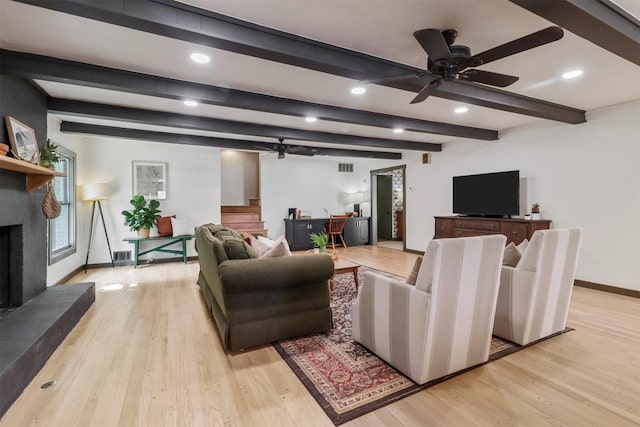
[(442, 324), (533, 301)]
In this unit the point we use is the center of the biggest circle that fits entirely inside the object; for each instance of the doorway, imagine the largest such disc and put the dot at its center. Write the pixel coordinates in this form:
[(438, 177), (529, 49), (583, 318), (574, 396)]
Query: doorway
[(388, 207)]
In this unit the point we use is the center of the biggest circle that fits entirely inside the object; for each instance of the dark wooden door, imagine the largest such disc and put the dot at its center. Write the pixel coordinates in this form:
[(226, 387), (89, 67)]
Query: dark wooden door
[(385, 207)]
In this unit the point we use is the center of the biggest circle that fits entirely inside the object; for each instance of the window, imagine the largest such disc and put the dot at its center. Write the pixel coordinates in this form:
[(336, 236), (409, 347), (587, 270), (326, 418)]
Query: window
[(62, 230)]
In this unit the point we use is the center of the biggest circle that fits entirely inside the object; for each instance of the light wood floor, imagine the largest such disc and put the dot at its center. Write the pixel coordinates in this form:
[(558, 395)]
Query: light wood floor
[(147, 354)]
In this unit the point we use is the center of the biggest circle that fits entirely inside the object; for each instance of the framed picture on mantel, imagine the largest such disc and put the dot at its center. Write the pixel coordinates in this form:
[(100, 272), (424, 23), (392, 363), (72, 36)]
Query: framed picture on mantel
[(150, 180), (23, 140)]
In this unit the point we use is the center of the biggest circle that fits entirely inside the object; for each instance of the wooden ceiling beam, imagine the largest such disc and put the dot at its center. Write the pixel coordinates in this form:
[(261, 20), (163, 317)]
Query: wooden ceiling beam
[(182, 121), (209, 141)]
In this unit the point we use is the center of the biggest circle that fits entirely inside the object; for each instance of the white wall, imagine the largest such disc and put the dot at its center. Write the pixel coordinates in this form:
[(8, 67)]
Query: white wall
[(582, 175), (311, 184), (193, 192), (585, 175), (239, 177)]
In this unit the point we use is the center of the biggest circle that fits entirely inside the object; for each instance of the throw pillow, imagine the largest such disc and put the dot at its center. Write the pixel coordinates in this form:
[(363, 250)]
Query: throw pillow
[(164, 226), (281, 248), (267, 241), (511, 255), (180, 227), (523, 245), (413, 276), (237, 248), (259, 246)]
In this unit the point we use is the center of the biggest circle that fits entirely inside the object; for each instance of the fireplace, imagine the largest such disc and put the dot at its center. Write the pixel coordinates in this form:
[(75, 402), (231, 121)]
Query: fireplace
[(34, 319), (11, 265)]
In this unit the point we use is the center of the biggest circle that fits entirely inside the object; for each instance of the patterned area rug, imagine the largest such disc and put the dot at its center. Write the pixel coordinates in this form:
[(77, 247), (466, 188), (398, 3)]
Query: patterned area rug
[(346, 379)]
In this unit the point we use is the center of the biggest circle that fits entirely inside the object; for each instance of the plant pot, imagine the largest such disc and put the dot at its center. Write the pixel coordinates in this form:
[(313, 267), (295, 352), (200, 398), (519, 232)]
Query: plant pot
[(143, 232), (535, 215)]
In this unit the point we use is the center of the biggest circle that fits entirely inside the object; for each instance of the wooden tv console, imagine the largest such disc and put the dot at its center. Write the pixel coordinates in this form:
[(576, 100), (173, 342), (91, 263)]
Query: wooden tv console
[(516, 230)]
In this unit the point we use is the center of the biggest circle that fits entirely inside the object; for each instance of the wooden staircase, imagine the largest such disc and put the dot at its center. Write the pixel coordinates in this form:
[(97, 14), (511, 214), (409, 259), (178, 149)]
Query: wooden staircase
[(245, 219)]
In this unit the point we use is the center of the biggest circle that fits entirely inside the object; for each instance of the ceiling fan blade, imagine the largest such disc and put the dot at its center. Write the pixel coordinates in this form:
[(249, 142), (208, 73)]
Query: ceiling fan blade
[(390, 78), (536, 39), (300, 150), (433, 43), (427, 90), (305, 153), (294, 148), (488, 78)]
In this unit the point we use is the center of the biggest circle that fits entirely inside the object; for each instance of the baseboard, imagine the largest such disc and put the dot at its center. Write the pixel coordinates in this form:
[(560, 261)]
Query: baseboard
[(607, 288), (142, 262), (68, 277), (79, 269), (413, 251)]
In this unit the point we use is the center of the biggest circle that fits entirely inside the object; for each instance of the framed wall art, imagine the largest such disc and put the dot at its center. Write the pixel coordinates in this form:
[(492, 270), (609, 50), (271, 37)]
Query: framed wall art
[(23, 140), (150, 180)]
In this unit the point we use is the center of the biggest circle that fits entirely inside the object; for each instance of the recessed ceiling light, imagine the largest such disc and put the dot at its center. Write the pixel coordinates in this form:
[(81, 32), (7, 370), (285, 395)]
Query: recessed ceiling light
[(572, 74), (358, 90), (461, 110), (200, 58), (398, 130), (310, 119), (190, 103)]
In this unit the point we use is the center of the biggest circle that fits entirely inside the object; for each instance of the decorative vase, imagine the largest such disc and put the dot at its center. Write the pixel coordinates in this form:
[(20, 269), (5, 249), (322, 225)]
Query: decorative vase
[(323, 250), (143, 232)]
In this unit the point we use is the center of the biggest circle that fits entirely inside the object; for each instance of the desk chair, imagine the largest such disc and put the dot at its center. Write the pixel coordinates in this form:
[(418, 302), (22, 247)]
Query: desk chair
[(336, 227)]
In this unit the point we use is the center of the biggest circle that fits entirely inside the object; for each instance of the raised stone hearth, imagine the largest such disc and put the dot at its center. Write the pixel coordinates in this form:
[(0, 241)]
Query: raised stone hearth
[(32, 332)]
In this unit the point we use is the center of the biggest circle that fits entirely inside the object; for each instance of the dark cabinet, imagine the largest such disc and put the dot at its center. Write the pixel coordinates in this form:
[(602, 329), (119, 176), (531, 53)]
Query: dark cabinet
[(297, 231), (356, 231), (516, 230)]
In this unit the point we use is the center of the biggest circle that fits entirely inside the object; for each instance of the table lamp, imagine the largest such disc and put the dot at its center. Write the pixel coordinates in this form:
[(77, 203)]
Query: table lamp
[(95, 193)]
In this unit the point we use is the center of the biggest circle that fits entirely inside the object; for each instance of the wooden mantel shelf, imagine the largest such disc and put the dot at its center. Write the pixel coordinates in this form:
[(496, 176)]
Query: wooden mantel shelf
[(37, 176)]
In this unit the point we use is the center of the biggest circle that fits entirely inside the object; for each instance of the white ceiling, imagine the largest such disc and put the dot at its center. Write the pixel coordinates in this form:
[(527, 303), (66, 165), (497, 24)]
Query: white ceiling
[(380, 28)]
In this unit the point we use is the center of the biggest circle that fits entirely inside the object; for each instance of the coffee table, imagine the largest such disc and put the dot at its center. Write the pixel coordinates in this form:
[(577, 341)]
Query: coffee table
[(342, 267)]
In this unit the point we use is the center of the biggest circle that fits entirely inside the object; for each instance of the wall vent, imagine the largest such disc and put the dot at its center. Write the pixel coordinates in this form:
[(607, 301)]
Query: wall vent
[(345, 167), (121, 257)]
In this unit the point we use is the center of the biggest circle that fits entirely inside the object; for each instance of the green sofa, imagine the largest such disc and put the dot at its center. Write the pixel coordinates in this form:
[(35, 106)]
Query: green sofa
[(258, 301)]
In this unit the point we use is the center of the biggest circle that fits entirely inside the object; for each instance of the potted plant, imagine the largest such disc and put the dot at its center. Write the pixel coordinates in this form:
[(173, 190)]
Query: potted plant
[(49, 155), (535, 211), (142, 217), (320, 240)]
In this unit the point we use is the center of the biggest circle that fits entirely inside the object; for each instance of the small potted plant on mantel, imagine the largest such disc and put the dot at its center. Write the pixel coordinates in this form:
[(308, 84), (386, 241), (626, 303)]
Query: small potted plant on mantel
[(320, 240), (49, 155), (142, 217), (535, 211)]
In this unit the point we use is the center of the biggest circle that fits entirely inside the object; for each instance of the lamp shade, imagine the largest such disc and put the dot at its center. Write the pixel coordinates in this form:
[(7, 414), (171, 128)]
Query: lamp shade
[(353, 197), (95, 191)]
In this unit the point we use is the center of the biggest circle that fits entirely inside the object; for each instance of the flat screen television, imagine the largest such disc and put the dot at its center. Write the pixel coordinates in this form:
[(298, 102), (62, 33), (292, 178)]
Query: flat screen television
[(489, 194)]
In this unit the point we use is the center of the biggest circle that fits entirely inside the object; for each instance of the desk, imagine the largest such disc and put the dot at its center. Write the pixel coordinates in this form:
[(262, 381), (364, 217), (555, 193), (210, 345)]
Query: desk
[(162, 243)]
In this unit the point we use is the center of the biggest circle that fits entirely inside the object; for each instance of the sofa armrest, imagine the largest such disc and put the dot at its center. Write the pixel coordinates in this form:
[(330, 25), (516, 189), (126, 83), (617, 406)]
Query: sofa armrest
[(248, 275)]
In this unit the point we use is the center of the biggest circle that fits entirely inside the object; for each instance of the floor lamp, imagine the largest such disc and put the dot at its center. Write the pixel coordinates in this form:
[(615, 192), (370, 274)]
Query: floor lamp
[(95, 193)]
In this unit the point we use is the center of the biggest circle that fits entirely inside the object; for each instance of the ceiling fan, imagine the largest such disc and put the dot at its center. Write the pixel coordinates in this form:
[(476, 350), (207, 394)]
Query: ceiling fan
[(281, 148), (449, 62)]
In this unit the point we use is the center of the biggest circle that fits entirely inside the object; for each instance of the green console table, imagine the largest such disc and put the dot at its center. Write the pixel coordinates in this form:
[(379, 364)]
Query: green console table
[(161, 243)]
